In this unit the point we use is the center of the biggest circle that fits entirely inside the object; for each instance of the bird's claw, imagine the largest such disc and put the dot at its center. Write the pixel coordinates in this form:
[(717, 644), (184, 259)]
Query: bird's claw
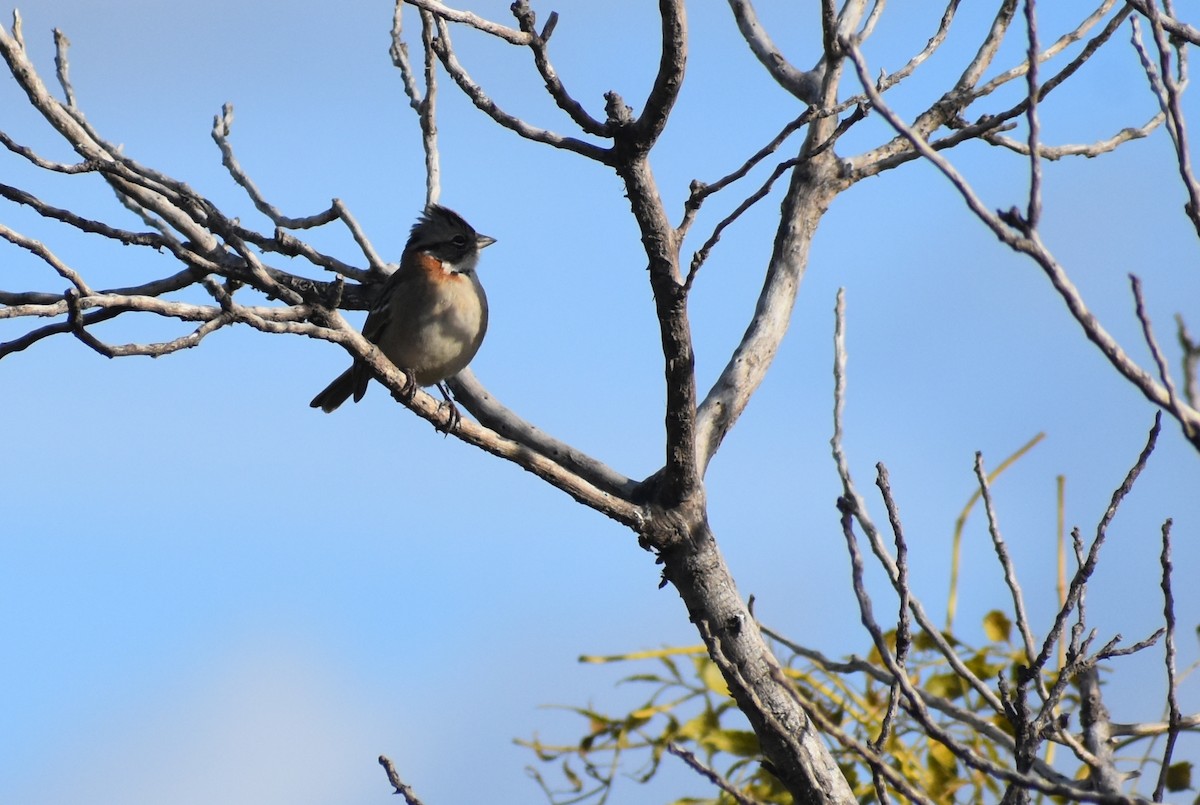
[(453, 417), (405, 394)]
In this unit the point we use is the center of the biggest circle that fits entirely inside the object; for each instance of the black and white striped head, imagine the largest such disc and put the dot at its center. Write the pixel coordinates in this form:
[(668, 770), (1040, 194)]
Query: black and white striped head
[(442, 233)]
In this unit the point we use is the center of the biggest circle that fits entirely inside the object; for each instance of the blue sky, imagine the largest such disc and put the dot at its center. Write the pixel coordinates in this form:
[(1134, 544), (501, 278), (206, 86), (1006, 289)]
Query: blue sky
[(211, 593)]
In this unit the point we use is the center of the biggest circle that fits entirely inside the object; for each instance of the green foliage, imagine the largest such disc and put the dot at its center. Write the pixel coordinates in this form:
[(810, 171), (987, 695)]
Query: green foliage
[(688, 711), (1179, 776), (688, 708)]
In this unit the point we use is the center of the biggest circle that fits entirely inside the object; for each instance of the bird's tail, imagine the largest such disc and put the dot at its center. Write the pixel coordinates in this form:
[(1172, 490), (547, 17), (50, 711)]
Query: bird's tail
[(336, 392)]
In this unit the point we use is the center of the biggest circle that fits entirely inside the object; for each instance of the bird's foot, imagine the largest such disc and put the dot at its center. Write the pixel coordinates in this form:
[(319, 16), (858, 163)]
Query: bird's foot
[(405, 394), (453, 418)]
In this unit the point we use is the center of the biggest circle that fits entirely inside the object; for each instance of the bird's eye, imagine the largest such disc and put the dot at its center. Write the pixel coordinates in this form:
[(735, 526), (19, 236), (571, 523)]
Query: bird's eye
[(459, 240)]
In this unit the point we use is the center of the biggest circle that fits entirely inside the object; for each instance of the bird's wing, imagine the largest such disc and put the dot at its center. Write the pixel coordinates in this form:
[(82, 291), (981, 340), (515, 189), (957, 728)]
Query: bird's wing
[(380, 315)]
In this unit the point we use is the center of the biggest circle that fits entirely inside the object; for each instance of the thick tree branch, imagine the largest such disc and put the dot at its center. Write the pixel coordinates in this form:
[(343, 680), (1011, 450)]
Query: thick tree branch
[(492, 414), (789, 739), (669, 79), (813, 186), (804, 84)]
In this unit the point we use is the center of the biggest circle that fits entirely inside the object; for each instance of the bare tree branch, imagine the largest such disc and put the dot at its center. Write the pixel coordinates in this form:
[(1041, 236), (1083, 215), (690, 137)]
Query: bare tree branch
[(1173, 26), (1092, 149), (881, 764), (444, 49), (1078, 584), (492, 414), (710, 774), (949, 108), (854, 503), (1174, 717), (1019, 779), (1010, 574), (669, 79), (61, 268), (423, 105), (702, 190), (527, 21), (1096, 724), (444, 12), (903, 637), (1013, 231), (815, 181), (1167, 91), (401, 787), (1175, 404), (805, 85), (1033, 213), (668, 511), (1191, 362), (973, 720)]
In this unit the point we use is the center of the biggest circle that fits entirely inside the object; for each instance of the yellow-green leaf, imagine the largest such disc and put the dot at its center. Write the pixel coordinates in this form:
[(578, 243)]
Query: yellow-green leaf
[(710, 675), (948, 686), (572, 778), (642, 655), (736, 742), (941, 757), (923, 641), (982, 667), (997, 626), (1179, 776), (699, 727)]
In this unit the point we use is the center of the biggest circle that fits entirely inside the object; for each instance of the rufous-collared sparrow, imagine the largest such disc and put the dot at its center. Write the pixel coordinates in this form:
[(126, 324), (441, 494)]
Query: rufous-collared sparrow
[(431, 313)]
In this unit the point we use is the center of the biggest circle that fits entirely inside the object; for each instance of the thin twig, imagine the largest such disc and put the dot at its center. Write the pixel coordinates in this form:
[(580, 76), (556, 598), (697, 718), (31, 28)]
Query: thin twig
[(444, 12), (1008, 232), (961, 521), (62, 66), (378, 266), (758, 195), (428, 113), (1010, 573), (445, 52), (1075, 593), (527, 21), (1175, 404), (1174, 717), (402, 788), (399, 53), (1089, 150), (50, 258), (1034, 213), (702, 190), (903, 628), (1190, 361), (87, 166), (852, 498), (710, 774), (952, 103), (1169, 91), (916, 705)]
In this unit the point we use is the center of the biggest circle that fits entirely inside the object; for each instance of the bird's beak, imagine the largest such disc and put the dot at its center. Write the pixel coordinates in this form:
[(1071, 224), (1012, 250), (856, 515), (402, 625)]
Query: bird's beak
[(483, 241)]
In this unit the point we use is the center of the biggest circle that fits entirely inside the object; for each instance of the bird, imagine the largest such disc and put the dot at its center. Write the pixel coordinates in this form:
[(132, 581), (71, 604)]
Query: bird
[(430, 315)]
